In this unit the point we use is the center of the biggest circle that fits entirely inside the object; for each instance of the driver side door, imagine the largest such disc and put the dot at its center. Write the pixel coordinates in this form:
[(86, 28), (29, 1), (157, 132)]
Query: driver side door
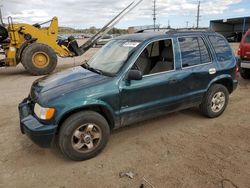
[(153, 95), (157, 92)]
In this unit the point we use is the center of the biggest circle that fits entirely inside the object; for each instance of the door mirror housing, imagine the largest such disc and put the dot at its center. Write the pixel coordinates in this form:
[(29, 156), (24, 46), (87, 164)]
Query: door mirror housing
[(134, 75)]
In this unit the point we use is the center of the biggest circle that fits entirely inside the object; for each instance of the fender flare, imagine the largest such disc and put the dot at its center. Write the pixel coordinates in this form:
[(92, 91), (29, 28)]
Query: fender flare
[(220, 78), (95, 106)]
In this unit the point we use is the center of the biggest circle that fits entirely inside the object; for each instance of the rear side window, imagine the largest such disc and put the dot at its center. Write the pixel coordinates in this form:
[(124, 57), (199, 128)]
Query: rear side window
[(205, 58), (247, 39), (193, 51), (221, 47)]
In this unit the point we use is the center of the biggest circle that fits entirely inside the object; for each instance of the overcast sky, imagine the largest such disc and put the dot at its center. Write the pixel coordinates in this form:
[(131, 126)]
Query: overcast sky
[(86, 13)]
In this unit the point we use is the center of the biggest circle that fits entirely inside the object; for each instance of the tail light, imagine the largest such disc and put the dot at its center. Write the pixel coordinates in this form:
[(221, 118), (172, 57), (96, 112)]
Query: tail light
[(239, 51)]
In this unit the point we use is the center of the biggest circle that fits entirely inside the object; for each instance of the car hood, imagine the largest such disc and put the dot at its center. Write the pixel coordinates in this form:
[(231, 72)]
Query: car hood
[(67, 80)]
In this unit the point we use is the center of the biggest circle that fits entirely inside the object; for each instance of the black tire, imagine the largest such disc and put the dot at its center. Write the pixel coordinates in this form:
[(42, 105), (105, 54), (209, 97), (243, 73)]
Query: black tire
[(3, 33), (48, 55), (69, 128), (245, 73), (207, 107)]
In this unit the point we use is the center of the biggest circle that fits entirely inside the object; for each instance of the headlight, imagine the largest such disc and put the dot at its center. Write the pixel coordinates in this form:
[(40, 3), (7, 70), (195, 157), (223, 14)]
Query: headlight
[(44, 113)]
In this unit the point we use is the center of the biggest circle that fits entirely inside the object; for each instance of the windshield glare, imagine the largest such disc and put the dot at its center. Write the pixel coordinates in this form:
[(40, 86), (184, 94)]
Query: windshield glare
[(110, 58)]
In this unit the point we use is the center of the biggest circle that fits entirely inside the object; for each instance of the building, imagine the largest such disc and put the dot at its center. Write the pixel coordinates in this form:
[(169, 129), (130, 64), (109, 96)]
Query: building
[(232, 25)]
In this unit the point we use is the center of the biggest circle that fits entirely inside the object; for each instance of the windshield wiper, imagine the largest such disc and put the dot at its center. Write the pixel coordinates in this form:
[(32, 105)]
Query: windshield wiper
[(88, 67), (85, 65), (95, 70)]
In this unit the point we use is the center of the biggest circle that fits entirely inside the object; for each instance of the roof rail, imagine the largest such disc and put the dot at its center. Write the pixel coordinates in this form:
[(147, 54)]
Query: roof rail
[(191, 29), (174, 30)]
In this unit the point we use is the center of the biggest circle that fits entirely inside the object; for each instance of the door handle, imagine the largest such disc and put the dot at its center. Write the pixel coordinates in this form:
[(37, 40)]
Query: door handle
[(212, 71)]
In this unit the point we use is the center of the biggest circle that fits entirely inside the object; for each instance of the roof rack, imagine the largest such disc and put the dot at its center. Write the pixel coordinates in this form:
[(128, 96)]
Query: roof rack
[(166, 30)]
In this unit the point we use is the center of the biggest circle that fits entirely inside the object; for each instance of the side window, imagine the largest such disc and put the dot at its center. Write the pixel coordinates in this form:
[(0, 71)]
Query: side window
[(193, 51), (221, 47), (157, 57), (247, 39), (205, 58), (153, 49)]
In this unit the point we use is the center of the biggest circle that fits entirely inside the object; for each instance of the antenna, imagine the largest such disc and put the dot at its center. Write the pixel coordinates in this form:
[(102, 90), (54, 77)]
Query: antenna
[(198, 14), (154, 13)]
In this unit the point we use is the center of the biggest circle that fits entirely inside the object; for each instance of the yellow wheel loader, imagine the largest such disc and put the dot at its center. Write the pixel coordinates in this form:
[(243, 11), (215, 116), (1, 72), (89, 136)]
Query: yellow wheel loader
[(37, 48)]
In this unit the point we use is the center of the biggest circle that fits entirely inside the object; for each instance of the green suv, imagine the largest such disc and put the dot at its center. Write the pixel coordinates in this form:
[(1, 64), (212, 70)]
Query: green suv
[(132, 78)]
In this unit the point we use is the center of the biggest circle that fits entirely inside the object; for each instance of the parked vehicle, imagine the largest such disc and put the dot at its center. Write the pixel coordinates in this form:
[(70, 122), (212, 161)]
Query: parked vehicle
[(234, 37), (104, 40), (244, 54), (132, 78)]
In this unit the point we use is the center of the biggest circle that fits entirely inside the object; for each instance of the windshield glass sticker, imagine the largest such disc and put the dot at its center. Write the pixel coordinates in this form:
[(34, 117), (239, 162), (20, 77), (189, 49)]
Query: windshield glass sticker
[(131, 44)]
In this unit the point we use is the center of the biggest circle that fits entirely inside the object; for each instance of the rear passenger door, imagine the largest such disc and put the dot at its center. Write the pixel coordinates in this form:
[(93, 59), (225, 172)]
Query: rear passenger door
[(224, 55), (197, 61)]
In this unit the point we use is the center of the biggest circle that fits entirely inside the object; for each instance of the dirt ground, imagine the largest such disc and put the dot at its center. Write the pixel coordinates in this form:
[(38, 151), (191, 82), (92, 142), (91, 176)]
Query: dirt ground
[(182, 149)]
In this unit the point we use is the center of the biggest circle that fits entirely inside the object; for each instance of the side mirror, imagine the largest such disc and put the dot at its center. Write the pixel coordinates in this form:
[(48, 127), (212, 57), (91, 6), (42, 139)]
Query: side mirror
[(134, 75)]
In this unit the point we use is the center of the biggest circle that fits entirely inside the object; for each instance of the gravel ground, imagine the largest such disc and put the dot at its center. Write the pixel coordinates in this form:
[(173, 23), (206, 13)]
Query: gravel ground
[(182, 149)]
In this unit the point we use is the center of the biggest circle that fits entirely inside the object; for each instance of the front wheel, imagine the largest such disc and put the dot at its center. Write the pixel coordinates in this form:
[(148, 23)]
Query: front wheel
[(215, 101), (83, 135)]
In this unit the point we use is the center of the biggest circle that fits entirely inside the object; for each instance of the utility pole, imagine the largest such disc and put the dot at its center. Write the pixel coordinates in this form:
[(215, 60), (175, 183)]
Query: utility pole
[(1, 16), (169, 24), (154, 13), (187, 22), (198, 14)]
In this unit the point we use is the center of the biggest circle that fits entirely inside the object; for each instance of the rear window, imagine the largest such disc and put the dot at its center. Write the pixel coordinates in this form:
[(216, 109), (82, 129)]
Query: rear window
[(193, 51), (221, 47), (247, 39)]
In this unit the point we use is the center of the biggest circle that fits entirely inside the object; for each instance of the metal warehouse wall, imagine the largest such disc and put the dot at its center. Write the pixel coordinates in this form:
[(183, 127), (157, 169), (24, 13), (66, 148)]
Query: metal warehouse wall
[(238, 27), (230, 26), (222, 28)]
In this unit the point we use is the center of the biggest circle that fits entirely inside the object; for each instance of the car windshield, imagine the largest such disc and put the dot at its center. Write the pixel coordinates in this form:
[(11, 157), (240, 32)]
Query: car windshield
[(110, 58)]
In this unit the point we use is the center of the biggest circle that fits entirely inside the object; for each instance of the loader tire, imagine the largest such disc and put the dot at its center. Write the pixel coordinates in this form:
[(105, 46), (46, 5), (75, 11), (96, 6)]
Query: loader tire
[(39, 59)]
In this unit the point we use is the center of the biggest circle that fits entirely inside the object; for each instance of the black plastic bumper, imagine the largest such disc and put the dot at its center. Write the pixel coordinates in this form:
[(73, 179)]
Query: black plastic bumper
[(235, 84), (41, 134)]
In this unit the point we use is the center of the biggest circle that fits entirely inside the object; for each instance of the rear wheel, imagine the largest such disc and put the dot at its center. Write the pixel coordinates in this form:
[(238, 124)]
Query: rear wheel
[(245, 73), (215, 101), (83, 135), (39, 59)]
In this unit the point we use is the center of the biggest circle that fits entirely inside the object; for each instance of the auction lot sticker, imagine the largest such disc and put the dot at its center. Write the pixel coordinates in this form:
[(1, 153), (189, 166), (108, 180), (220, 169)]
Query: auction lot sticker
[(131, 44)]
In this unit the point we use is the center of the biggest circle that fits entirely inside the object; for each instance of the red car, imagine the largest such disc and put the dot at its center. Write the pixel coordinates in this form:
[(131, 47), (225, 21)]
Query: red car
[(244, 53)]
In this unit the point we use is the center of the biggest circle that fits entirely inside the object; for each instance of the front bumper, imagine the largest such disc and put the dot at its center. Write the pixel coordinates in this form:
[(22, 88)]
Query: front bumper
[(39, 133), (245, 64)]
